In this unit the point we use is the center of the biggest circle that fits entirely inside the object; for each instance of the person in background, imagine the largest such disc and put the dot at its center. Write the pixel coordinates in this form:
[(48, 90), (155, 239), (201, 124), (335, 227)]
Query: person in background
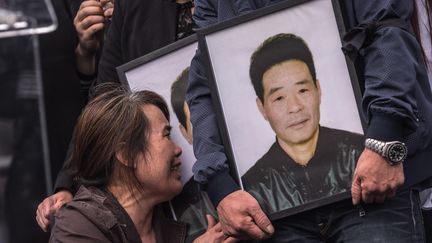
[(396, 102), (91, 24), (81, 24), (62, 104), (422, 23), (139, 27), (136, 28)]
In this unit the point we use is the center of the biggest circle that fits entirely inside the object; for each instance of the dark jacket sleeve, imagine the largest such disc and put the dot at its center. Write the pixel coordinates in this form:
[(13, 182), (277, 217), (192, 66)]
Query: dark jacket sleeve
[(64, 180), (392, 61), (65, 177), (112, 54), (211, 169)]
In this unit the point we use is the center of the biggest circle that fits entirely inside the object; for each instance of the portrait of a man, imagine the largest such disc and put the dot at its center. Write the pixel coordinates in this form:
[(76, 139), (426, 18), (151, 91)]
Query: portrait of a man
[(307, 161), (192, 204)]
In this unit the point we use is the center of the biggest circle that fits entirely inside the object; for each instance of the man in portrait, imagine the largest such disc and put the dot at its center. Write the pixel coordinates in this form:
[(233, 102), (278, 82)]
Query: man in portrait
[(192, 205), (307, 161)]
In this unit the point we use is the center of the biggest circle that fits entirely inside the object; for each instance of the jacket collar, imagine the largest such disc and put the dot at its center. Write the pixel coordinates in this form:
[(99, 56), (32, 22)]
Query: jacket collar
[(106, 213)]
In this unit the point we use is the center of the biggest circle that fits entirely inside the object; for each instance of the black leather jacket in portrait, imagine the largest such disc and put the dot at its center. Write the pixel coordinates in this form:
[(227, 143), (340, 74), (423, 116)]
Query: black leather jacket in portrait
[(279, 183)]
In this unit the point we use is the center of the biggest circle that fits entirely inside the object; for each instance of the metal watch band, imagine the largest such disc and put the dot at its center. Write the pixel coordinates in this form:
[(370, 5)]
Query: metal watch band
[(375, 145), (394, 152)]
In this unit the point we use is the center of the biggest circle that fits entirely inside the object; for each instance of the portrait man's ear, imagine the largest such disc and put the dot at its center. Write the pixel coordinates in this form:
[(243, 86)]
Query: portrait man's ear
[(261, 108), (319, 90), (187, 135)]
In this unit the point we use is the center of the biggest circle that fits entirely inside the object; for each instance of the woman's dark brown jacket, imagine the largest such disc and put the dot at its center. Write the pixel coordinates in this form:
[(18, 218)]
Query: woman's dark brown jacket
[(94, 215)]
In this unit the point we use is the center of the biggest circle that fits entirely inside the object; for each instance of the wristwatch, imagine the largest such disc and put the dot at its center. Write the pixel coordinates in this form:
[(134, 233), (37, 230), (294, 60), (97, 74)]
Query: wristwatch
[(394, 152)]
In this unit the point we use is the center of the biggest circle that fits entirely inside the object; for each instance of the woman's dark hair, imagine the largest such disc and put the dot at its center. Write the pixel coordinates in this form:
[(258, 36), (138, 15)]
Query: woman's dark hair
[(113, 121)]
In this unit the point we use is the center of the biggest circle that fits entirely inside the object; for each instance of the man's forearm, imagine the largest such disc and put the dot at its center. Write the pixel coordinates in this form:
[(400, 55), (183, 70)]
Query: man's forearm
[(391, 63), (211, 169)]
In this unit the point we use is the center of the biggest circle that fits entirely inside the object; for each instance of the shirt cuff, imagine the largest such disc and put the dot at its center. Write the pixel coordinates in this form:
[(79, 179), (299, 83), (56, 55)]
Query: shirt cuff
[(219, 186), (385, 128), (64, 181)]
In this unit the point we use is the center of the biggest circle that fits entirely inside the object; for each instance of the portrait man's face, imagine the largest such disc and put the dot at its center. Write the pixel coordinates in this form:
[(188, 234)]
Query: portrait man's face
[(291, 102)]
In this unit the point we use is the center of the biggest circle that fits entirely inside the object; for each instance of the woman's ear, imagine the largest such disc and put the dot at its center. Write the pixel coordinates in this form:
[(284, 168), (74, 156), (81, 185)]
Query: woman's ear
[(120, 155)]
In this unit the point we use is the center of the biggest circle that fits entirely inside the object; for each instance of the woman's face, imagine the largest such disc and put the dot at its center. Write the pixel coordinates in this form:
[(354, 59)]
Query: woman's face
[(159, 171)]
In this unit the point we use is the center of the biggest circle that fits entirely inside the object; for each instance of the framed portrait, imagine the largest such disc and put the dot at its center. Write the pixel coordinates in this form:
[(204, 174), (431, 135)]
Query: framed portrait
[(165, 71), (288, 104)]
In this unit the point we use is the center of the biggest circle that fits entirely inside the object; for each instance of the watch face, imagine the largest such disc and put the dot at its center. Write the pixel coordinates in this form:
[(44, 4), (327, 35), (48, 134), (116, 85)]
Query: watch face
[(397, 152)]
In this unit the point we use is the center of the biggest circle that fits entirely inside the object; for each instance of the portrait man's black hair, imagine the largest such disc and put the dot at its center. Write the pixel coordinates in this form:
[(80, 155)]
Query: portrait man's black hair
[(274, 50), (178, 96)]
